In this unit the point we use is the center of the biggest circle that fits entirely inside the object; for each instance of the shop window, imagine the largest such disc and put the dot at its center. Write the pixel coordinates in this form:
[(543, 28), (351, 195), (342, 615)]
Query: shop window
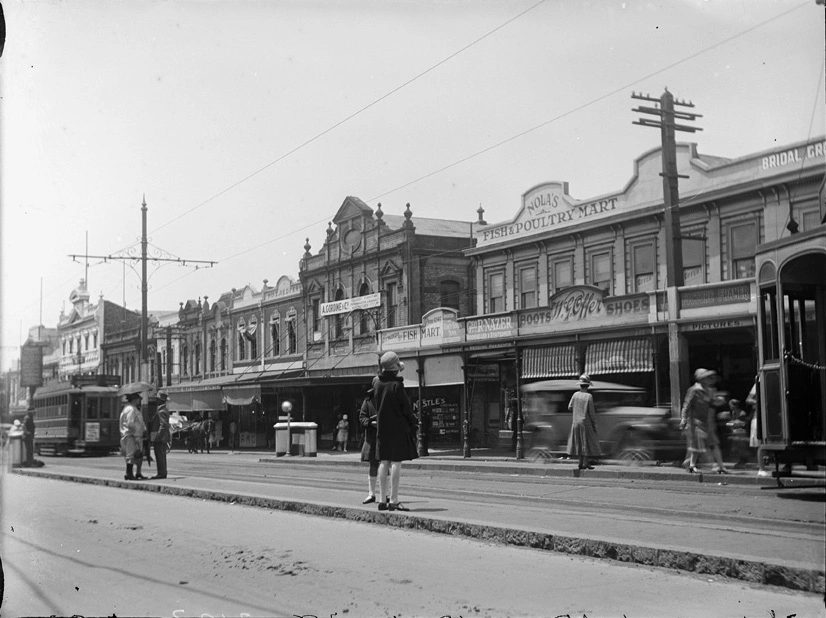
[(527, 286), (601, 275), (392, 304), (694, 259), (562, 273), (743, 242), (643, 263), (495, 283), (449, 294)]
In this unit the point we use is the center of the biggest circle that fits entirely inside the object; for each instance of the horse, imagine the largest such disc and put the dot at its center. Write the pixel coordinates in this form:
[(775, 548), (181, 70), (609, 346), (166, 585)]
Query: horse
[(196, 436)]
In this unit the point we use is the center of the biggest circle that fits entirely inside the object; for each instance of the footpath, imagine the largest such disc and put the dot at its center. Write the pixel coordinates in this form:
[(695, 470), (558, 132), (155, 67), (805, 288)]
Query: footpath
[(791, 556)]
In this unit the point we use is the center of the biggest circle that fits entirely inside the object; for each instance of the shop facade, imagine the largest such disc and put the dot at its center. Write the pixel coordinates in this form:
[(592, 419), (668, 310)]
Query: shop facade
[(570, 286)]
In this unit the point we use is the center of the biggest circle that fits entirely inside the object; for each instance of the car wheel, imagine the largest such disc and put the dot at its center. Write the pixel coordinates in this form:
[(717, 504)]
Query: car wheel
[(632, 452)]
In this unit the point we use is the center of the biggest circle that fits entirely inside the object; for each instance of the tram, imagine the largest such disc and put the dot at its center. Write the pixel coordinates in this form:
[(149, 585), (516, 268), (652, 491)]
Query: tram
[(791, 279), (80, 416)]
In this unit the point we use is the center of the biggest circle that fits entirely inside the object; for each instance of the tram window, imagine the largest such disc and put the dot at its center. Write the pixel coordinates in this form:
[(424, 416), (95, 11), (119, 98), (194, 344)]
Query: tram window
[(768, 315), (92, 408)]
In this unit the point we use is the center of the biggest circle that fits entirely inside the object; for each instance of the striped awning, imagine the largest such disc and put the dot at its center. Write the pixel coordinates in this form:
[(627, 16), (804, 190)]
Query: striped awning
[(619, 356), (555, 361)]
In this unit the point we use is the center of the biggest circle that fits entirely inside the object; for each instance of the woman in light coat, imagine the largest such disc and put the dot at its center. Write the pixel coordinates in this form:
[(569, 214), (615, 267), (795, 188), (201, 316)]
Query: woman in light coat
[(582, 441)]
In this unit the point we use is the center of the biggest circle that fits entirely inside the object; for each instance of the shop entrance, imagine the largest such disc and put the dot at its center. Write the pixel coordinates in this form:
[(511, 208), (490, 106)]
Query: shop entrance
[(731, 353)]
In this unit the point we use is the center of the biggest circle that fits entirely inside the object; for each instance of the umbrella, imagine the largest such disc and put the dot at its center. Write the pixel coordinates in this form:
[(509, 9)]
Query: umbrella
[(135, 387)]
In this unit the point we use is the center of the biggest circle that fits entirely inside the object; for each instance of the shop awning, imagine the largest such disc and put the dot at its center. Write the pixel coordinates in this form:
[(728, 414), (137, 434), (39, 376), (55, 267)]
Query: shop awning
[(619, 356), (242, 395), (555, 361)]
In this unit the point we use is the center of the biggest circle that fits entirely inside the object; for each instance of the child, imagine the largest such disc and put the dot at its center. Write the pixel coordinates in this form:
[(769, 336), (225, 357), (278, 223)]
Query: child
[(342, 433)]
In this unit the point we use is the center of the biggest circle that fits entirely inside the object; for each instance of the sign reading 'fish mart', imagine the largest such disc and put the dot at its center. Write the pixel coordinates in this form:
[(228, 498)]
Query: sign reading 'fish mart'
[(350, 304)]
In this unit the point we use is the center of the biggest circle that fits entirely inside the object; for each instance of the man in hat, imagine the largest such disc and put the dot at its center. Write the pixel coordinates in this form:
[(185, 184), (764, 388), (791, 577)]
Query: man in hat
[(132, 431), (160, 434)]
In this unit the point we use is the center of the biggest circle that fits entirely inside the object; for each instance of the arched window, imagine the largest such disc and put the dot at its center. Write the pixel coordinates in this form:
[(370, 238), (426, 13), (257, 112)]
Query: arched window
[(449, 294), (291, 331), (212, 351), (275, 334), (223, 353), (196, 366), (185, 360), (339, 318), (364, 319), (242, 342)]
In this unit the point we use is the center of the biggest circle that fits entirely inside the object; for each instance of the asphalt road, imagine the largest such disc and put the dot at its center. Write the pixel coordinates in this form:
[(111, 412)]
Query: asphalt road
[(83, 549), (739, 520)]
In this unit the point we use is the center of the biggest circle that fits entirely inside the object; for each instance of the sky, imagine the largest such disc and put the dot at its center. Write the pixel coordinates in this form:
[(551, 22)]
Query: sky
[(245, 124)]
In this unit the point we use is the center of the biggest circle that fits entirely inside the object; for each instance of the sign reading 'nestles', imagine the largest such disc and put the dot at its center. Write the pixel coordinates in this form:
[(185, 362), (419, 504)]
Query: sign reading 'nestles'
[(350, 304)]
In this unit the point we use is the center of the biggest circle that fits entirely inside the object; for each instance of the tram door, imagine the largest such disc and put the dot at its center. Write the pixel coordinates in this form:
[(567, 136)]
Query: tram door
[(793, 351)]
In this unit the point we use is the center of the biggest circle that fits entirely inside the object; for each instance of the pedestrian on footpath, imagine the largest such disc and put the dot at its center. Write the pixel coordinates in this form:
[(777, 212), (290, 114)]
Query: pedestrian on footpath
[(395, 429), (343, 432), (367, 421), (694, 416), (582, 441), (28, 437), (739, 438), (132, 431), (160, 434)]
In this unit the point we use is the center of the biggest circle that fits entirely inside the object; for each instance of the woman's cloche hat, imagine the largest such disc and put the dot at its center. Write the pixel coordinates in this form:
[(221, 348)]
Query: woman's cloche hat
[(390, 362), (584, 379)]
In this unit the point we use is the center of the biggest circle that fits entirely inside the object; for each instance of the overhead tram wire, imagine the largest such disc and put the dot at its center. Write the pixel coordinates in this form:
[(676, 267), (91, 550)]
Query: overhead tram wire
[(618, 90), (353, 115), (613, 92)]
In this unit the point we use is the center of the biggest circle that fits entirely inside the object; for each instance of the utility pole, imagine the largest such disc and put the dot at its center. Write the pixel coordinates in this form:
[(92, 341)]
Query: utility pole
[(144, 258), (673, 238)]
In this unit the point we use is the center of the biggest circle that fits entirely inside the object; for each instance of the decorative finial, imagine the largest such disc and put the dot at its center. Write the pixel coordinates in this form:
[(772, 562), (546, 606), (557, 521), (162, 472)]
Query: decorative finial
[(481, 211), (307, 247), (380, 215), (329, 228), (407, 216)]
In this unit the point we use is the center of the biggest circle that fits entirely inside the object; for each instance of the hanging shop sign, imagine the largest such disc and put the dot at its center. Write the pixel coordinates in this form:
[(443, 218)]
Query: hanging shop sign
[(350, 304)]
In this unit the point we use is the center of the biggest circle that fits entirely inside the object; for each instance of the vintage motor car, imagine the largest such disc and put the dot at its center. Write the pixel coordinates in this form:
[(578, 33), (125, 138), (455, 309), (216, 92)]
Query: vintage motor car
[(627, 429)]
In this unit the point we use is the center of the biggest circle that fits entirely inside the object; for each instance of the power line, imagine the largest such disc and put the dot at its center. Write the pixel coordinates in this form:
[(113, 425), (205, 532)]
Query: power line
[(353, 115)]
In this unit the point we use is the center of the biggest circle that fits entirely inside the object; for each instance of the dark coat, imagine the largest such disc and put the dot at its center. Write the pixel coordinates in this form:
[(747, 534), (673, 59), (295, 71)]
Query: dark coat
[(395, 434), (366, 421)]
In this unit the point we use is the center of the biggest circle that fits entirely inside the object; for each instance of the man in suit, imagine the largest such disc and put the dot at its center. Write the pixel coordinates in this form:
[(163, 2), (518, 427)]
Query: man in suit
[(160, 434)]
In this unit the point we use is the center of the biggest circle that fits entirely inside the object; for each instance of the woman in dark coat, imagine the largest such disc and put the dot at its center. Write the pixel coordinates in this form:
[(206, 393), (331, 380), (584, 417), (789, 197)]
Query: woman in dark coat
[(367, 421), (395, 429)]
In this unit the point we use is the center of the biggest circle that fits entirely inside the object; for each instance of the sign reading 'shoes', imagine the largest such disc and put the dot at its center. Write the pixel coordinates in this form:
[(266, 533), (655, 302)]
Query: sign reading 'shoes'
[(350, 304)]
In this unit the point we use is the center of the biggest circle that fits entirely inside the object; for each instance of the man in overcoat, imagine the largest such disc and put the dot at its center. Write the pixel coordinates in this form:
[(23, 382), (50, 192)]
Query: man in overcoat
[(160, 434), (132, 431)]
